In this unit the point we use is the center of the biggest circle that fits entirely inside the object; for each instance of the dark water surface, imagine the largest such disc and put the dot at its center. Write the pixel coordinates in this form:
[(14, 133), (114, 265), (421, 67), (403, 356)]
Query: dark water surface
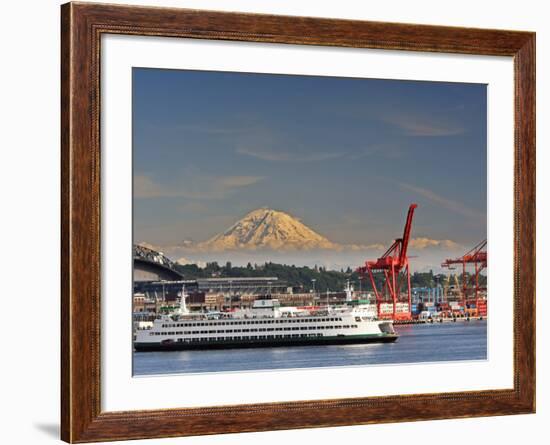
[(417, 343)]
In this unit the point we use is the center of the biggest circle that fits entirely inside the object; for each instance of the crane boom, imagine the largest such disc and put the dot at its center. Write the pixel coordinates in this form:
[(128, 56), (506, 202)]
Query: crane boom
[(477, 256), (390, 265), (406, 234)]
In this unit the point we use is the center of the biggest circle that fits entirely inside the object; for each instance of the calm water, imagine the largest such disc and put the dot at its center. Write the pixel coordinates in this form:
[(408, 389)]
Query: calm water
[(417, 343)]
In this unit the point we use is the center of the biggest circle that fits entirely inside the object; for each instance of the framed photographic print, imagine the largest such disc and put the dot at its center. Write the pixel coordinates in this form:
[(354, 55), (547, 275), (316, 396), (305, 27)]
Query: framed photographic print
[(279, 222)]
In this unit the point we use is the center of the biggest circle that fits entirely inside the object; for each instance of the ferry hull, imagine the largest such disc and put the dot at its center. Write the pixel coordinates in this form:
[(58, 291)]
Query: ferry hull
[(264, 343)]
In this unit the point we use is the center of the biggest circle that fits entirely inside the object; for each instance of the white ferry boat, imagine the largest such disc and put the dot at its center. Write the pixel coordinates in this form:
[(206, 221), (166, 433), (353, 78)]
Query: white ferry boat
[(266, 324)]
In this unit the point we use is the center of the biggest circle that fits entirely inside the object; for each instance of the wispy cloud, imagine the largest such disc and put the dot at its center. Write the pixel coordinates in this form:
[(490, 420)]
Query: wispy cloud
[(446, 203), (145, 187), (231, 182), (415, 124), (192, 186), (364, 247), (285, 155), (388, 151), (426, 243), (270, 143), (210, 129)]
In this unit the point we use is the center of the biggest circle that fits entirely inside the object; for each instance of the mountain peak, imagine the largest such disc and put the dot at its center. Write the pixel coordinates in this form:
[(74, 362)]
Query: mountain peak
[(266, 228)]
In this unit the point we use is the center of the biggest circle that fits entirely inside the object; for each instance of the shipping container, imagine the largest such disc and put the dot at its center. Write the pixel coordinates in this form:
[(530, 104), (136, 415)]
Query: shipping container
[(402, 307)]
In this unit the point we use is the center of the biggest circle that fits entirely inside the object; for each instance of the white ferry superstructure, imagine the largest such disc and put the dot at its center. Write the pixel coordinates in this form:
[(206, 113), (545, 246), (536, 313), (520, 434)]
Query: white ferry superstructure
[(266, 324)]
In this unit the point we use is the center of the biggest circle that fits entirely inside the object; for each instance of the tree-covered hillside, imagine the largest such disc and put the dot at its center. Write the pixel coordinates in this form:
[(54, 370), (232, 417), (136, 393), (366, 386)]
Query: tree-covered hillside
[(302, 277)]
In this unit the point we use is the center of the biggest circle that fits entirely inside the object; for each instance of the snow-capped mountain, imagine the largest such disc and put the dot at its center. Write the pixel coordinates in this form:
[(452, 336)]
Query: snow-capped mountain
[(268, 229)]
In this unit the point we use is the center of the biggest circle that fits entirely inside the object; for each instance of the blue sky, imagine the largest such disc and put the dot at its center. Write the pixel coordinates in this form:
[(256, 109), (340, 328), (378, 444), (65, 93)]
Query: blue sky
[(347, 156)]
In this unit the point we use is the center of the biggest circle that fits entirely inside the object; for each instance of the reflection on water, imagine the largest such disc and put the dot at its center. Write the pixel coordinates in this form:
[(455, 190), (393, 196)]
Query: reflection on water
[(417, 343)]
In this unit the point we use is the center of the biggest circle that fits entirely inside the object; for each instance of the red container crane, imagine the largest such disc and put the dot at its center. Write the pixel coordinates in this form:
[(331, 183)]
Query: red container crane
[(478, 257), (391, 264)]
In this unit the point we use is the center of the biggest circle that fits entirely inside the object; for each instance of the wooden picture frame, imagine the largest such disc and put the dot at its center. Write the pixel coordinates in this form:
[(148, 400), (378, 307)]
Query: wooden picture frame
[(82, 26)]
